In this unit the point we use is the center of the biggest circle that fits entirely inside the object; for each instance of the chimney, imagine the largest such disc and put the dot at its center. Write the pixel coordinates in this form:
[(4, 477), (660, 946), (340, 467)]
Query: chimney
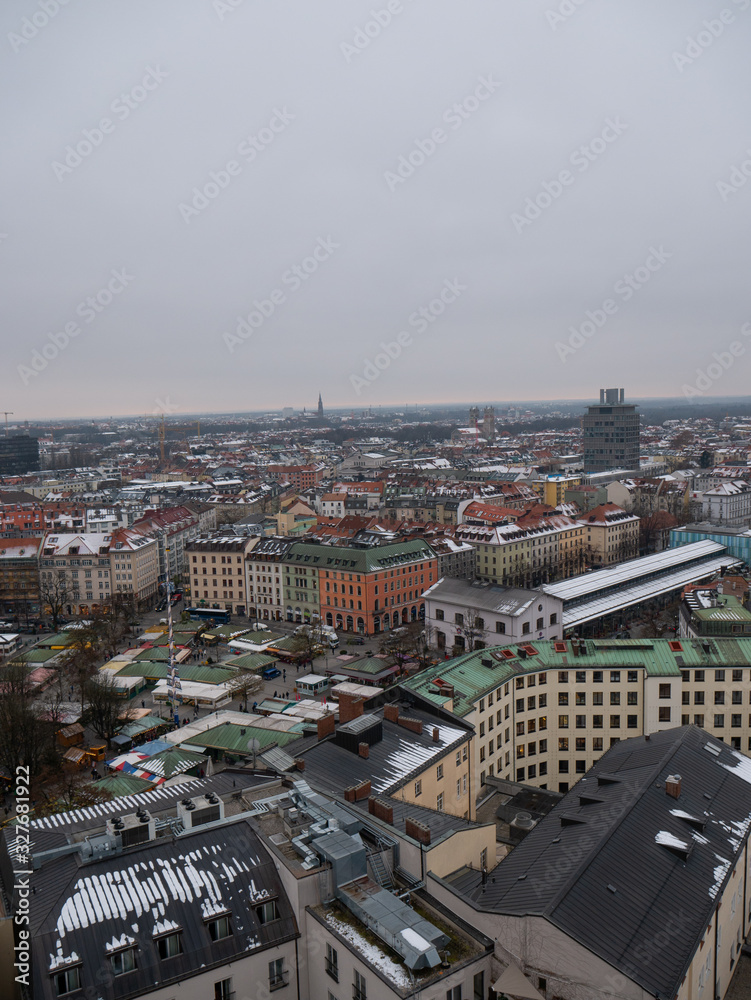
[(300, 764), (325, 726), (417, 831), (350, 707), (381, 809), (673, 785), (436, 734), (363, 750), (414, 725), (391, 712)]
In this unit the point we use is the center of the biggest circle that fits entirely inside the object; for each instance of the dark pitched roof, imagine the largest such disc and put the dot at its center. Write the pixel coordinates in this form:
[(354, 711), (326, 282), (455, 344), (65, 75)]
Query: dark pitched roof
[(87, 911), (392, 761), (618, 861)]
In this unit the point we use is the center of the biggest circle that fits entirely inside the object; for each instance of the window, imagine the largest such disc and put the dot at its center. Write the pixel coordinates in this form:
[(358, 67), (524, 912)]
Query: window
[(459, 618), (737, 697), (597, 697), (531, 703), (332, 962), (543, 768), (581, 766), (615, 697), (719, 721), (615, 677), (699, 675), (581, 744), (277, 974), (219, 928), (267, 912), (439, 803), (719, 697), (699, 721), (562, 744), (632, 698), (67, 981), (563, 722), (698, 697), (520, 729), (223, 990), (581, 698), (418, 789), (500, 627), (631, 720), (543, 701), (719, 675), (737, 675), (123, 961), (615, 722), (632, 677), (525, 628), (359, 989), (735, 721), (478, 985), (169, 946), (439, 772), (597, 744), (563, 698), (563, 767), (664, 690), (563, 676), (581, 676), (581, 722), (597, 676), (455, 993), (519, 707)]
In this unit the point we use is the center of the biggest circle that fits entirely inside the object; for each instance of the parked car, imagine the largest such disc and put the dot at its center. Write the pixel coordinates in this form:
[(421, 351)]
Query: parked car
[(269, 673), (358, 641)]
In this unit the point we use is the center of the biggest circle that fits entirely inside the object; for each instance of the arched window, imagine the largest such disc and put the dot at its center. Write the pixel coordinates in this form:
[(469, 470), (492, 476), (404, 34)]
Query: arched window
[(350, 623), (329, 618), (414, 612), (361, 625), (376, 625), (339, 621)]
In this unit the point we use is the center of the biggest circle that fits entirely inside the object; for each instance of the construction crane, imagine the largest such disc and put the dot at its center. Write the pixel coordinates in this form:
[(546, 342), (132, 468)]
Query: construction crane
[(8, 413), (161, 442)]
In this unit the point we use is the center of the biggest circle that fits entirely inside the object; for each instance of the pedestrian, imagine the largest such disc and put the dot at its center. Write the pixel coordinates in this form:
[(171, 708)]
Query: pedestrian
[(143, 704), (284, 674), (276, 695)]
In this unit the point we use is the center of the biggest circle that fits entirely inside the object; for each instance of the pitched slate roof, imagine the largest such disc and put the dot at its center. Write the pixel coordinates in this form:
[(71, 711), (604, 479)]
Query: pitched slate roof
[(619, 861), (90, 910)]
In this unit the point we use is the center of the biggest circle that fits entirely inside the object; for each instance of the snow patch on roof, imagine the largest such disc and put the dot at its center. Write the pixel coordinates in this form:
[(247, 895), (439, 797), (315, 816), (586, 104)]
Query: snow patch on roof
[(370, 952), (669, 840), (720, 872)]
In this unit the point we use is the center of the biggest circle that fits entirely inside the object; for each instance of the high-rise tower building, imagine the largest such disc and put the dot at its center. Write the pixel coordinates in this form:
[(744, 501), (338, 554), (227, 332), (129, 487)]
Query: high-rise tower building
[(611, 433)]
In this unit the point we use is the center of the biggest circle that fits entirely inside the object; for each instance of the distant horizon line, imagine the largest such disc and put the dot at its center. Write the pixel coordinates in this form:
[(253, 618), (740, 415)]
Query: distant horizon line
[(382, 407)]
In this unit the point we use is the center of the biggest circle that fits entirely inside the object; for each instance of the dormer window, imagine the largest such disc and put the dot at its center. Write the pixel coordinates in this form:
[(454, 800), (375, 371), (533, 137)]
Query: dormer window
[(169, 945), (68, 980), (123, 961), (220, 927)]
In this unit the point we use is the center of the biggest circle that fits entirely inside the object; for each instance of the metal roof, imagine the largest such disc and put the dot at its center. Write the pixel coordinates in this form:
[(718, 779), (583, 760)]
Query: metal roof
[(632, 570), (577, 868), (128, 900), (602, 603), (471, 679)]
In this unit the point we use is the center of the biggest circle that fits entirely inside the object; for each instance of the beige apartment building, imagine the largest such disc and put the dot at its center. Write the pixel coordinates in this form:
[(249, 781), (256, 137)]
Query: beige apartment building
[(545, 711), (217, 568), (612, 535)]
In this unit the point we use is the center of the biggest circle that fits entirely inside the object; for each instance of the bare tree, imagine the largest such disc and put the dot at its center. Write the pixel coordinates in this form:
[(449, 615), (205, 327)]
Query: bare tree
[(56, 592), (26, 737), (71, 790), (104, 707), (472, 628)]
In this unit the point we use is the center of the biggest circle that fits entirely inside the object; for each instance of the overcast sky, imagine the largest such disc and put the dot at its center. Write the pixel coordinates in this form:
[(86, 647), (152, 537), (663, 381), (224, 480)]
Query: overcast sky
[(189, 165)]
